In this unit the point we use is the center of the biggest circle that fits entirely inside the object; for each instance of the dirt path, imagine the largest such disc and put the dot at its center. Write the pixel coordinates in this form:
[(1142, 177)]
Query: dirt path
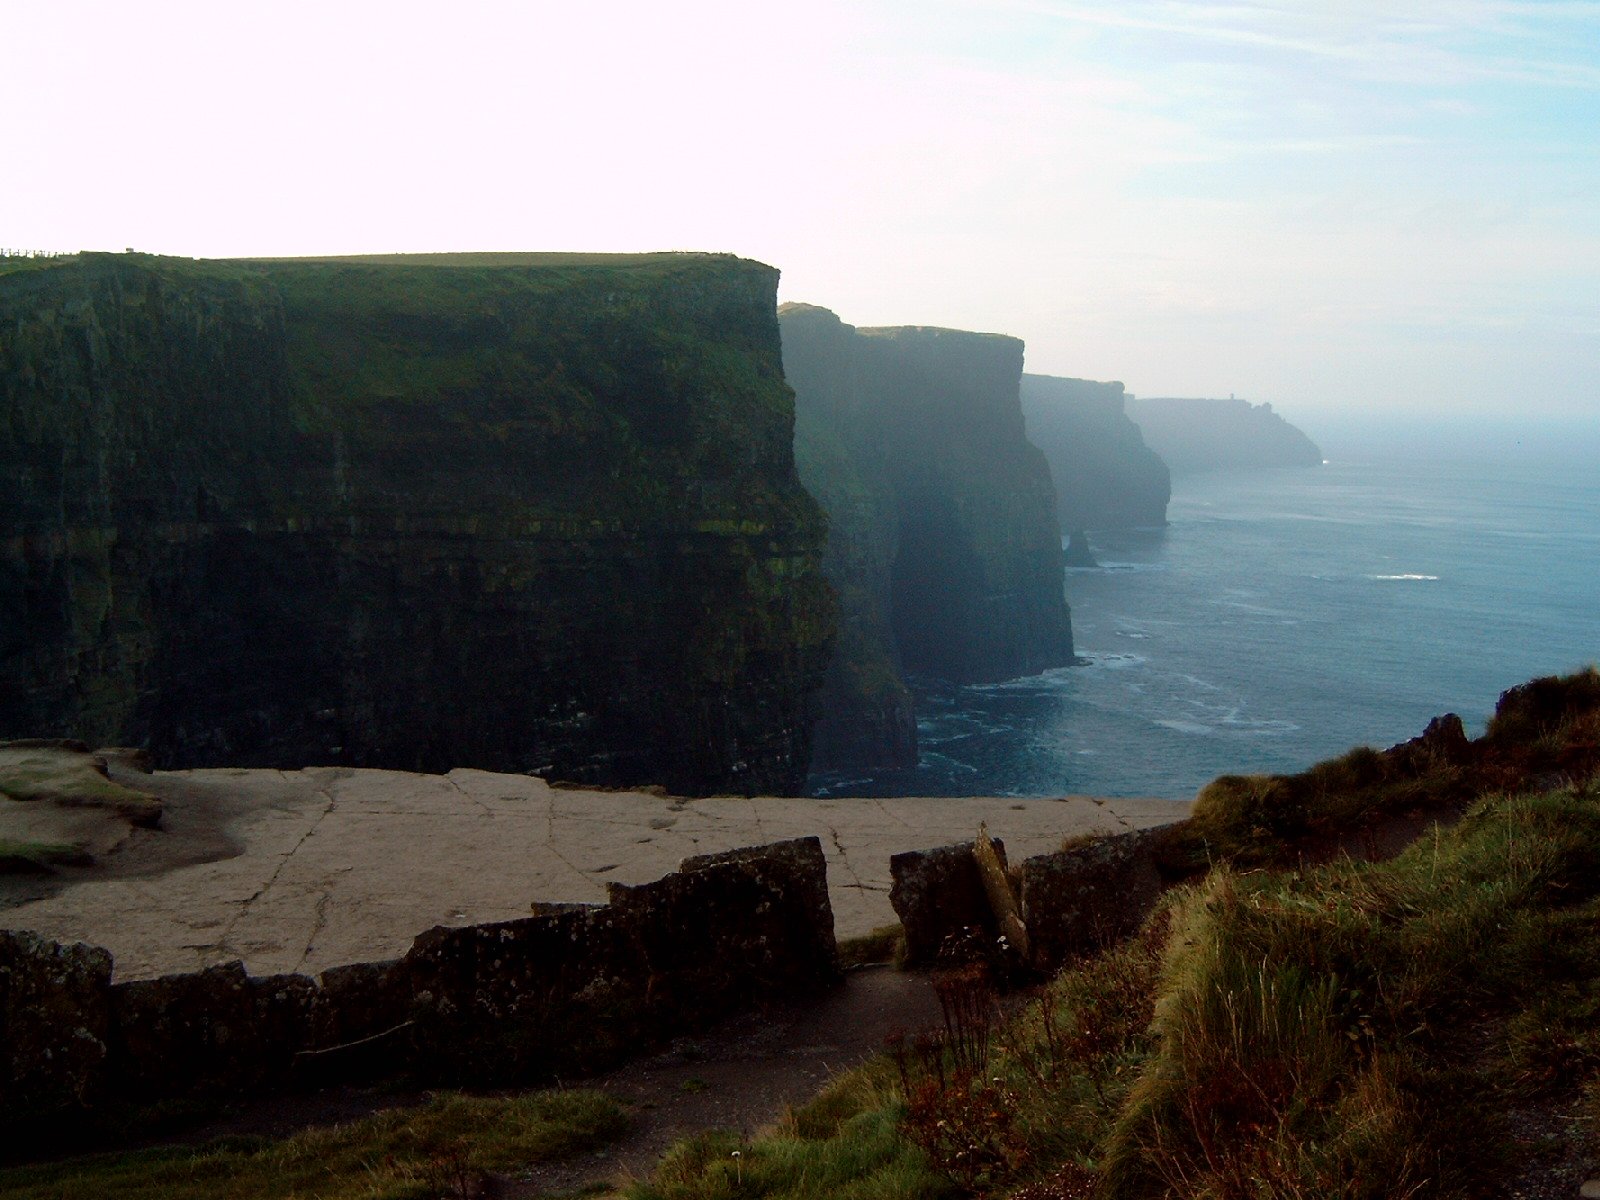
[(742, 1075)]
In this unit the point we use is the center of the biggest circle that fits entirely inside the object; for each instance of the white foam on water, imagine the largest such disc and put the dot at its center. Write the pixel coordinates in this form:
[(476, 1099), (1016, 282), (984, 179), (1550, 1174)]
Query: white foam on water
[(1124, 567), (1193, 727), (1045, 681), (1404, 577), (932, 757), (1112, 661)]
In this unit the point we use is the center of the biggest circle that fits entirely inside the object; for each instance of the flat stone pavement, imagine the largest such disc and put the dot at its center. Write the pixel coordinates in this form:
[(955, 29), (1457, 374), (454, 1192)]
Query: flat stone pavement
[(305, 870)]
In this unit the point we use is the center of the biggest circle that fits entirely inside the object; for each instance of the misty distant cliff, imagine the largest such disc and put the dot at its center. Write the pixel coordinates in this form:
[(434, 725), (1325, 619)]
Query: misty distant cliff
[(512, 512), (944, 545), (1105, 475), (1216, 435)]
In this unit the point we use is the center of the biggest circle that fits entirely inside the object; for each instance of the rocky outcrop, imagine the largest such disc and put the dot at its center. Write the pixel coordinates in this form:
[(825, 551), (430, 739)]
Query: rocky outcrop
[(1220, 435), (528, 513), (565, 991), (62, 772), (943, 544), (1105, 475)]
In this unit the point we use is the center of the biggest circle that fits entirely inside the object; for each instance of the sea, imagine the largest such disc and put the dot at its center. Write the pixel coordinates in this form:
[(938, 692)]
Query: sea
[(1283, 616)]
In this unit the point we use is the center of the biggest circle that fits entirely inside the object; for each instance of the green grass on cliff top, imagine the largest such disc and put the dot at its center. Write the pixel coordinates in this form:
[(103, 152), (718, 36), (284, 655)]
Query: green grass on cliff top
[(444, 1148), (661, 258), (647, 264), (15, 265)]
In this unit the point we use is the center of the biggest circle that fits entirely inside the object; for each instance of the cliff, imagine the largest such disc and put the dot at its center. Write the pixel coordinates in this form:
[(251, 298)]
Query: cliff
[(943, 545), (1105, 475), (1220, 435), (515, 512)]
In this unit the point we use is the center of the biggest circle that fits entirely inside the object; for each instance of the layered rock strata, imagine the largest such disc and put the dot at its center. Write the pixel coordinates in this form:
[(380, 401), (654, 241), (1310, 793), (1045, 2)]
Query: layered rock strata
[(944, 546), (514, 512)]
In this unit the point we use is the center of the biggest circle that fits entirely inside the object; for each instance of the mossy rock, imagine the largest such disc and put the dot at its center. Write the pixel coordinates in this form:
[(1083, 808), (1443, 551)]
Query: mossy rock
[(62, 772)]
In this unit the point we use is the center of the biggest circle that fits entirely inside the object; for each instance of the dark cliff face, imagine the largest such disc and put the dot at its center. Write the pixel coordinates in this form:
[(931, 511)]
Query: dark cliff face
[(529, 516), (1219, 435), (1105, 475), (944, 547)]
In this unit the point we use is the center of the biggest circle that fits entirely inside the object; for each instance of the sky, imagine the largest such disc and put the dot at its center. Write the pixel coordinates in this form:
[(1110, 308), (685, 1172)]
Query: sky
[(1340, 207)]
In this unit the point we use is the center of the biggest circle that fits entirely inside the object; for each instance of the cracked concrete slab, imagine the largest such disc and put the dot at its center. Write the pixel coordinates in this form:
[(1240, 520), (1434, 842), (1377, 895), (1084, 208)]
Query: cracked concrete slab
[(304, 870)]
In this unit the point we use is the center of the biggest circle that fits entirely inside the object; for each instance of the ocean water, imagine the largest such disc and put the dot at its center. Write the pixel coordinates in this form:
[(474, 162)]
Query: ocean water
[(1280, 618)]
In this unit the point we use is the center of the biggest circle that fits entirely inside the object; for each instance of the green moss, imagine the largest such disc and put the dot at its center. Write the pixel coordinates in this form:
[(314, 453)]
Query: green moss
[(70, 778), (39, 858)]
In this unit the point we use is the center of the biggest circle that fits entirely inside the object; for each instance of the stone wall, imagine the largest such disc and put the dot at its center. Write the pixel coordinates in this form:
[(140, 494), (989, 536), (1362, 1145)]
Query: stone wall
[(568, 990), (1072, 901)]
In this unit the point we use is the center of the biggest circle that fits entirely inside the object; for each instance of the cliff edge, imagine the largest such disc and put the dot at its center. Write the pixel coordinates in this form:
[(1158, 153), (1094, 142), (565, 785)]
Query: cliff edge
[(1219, 435), (1105, 475), (525, 513), (943, 545)]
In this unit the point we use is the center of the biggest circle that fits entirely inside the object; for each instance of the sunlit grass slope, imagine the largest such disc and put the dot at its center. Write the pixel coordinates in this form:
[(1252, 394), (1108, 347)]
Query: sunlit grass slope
[(1424, 1026)]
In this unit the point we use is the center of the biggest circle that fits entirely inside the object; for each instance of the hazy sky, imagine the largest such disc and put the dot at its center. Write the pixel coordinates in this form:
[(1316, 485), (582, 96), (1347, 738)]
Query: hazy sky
[(1376, 203)]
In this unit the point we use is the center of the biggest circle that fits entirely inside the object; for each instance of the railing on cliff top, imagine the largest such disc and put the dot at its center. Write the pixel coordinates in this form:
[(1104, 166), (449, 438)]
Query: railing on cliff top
[(14, 253)]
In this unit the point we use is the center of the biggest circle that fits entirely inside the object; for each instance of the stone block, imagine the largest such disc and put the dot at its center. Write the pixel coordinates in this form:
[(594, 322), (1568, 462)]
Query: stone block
[(938, 893), (54, 1014), (1080, 899)]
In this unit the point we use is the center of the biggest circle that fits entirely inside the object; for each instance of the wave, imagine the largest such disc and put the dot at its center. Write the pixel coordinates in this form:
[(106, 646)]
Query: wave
[(1404, 577), (932, 758), (1124, 567), (1112, 660), (1194, 727)]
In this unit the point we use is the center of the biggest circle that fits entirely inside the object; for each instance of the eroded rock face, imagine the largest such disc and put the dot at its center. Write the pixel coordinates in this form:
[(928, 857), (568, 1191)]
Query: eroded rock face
[(1443, 743), (527, 515), (1105, 475), (943, 542), (54, 1018)]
